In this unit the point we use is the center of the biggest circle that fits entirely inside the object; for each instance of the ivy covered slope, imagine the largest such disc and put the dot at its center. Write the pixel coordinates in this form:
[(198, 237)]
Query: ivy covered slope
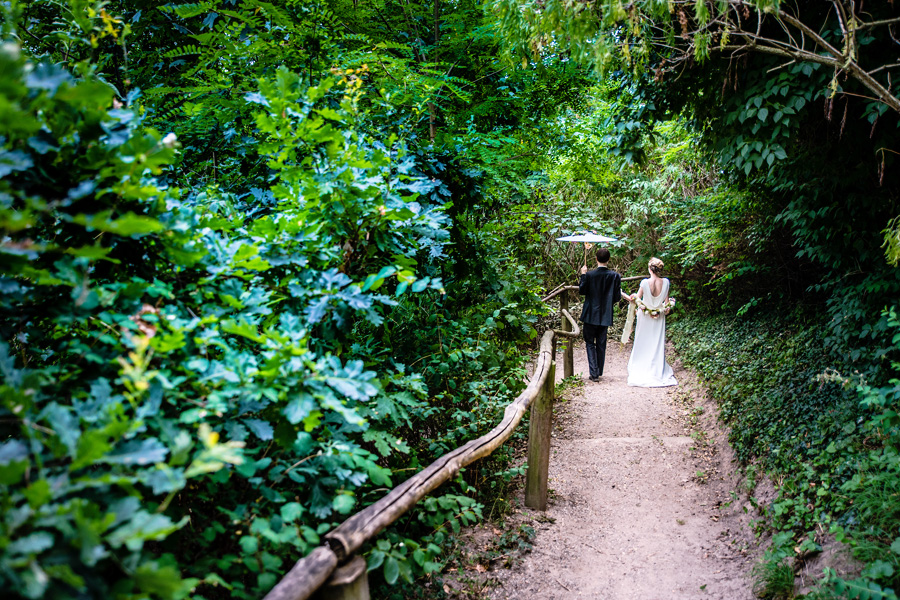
[(248, 283), (828, 441)]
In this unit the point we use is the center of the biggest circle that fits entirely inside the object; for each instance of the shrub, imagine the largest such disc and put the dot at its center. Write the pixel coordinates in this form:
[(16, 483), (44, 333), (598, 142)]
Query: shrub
[(184, 409)]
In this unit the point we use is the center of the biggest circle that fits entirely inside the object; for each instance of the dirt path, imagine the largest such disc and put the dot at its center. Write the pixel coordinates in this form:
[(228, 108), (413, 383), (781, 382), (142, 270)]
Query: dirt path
[(638, 504)]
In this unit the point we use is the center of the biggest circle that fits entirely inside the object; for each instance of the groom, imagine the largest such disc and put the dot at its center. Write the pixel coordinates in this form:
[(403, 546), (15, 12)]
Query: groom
[(602, 289)]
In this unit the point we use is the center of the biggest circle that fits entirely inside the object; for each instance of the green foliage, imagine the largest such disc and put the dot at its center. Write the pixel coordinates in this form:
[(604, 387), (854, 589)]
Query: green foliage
[(510, 546), (88, 468), (402, 558), (770, 193), (773, 579), (219, 342), (856, 589), (892, 242), (831, 441), (667, 38), (200, 326), (814, 164)]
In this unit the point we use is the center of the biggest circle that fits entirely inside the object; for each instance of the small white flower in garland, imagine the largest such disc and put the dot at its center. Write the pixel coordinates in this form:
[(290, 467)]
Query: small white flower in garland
[(667, 307)]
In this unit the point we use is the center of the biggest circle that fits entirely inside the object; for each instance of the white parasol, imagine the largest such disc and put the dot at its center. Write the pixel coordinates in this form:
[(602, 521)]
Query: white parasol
[(588, 239)]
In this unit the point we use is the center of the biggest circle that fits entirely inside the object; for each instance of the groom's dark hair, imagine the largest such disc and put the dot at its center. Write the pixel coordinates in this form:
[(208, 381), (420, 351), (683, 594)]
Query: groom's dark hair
[(602, 255)]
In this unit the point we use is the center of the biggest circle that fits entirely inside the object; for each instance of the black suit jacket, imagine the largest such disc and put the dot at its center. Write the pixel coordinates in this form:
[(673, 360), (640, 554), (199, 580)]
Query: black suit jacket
[(602, 289)]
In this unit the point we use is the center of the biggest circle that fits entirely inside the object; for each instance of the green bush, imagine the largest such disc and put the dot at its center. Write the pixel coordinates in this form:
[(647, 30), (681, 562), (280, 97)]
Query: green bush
[(189, 401)]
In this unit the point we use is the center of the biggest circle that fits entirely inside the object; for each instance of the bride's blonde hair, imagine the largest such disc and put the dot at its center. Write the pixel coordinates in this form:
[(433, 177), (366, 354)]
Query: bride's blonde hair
[(656, 265)]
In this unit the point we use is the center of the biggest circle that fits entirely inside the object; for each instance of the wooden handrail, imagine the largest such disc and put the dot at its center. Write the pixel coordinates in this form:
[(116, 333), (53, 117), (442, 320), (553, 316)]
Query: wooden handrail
[(559, 291), (555, 291), (311, 572), (575, 332), (323, 564)]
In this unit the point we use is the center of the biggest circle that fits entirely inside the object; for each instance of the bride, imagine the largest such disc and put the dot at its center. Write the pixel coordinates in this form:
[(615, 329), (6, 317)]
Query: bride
[(647, 366)]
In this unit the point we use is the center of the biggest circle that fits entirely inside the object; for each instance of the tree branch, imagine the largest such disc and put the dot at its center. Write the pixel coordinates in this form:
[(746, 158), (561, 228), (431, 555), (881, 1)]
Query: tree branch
[(796, 54), (881, 93), (839, 60), (862, 26), (808, 31), (882, 68)]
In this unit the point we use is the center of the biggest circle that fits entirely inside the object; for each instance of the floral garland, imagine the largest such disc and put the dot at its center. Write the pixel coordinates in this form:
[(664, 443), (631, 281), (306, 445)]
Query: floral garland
[(666, 308)]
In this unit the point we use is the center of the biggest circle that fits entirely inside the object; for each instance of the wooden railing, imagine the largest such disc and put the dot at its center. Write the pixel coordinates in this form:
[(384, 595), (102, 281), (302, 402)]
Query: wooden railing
[(334, 570)]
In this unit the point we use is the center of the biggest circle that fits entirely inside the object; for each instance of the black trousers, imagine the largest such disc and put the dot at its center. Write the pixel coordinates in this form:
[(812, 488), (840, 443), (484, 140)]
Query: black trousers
[(595, 339)]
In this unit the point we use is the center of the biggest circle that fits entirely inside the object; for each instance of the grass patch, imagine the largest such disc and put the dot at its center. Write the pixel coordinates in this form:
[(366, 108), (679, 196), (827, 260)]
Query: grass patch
[(773, 580)]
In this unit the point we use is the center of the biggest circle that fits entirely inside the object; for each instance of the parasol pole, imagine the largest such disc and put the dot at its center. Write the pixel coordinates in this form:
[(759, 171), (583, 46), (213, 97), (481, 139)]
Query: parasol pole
[(587, 246)]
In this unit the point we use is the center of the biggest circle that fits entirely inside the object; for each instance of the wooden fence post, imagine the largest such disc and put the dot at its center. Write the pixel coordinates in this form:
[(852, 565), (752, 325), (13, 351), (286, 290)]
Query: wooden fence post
[(349, 582), (539, 444), (568, 364)]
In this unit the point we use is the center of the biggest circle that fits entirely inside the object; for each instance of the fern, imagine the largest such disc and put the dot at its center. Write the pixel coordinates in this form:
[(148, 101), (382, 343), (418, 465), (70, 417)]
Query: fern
[(357, 37), (405, 48), (161, 91), (443, 77), (187, 11), (459, 93), (188, 50), (205, 38), (250, 18), (276, 14), (438, 66), (327, 17), (196, 89)]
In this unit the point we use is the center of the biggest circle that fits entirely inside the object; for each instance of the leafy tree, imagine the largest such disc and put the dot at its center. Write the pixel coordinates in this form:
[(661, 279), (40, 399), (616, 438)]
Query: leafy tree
[(247, 285), (665, 37)]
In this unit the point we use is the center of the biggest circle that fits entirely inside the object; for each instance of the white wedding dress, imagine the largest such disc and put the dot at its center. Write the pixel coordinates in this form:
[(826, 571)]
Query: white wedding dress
[(647, 366)]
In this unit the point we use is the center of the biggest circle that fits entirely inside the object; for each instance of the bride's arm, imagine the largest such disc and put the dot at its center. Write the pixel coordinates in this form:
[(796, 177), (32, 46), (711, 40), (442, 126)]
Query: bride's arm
[(665, 303), (640, 292)]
